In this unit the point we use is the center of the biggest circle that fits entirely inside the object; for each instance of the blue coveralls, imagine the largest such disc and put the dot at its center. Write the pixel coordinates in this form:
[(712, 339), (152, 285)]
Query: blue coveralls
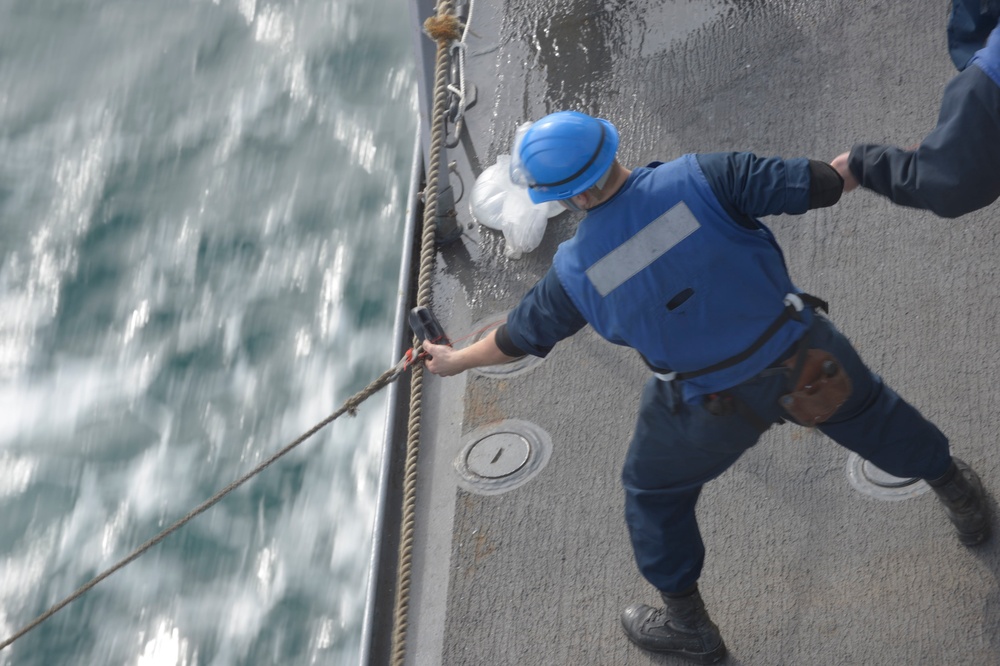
[(969, 25), (678, 446), (956, 168)]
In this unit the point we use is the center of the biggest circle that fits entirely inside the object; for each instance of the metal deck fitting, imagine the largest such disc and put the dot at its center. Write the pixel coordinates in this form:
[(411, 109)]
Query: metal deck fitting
[(502, 457)]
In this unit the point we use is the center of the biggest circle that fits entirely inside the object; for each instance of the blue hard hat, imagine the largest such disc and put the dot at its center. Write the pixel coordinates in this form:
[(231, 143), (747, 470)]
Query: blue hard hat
[(564, 154)]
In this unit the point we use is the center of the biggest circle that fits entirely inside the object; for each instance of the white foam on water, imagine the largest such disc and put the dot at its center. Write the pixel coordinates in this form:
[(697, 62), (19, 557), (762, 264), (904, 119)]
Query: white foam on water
[(236, 313), (55, 405), (166, 647), (69, 157)]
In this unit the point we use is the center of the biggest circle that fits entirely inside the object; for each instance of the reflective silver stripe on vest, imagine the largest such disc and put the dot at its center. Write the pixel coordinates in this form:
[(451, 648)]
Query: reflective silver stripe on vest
[(651, 243)]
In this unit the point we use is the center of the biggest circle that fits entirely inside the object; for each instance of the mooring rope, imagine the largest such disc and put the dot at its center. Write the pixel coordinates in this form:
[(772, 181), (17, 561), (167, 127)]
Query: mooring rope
[(443, 28), (350, 406)]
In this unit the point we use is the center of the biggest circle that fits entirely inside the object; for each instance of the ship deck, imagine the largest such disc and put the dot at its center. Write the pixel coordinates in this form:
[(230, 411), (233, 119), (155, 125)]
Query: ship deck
[(812, 559)]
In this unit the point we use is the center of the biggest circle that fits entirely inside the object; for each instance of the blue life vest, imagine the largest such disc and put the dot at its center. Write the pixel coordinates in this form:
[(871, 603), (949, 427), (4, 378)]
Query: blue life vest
[(988, 57), (662, 268)]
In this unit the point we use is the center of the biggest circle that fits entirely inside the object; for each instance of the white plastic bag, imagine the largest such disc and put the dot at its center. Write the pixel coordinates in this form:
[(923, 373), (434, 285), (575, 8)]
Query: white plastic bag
[(523, 223), (488, 193), (499, 204)]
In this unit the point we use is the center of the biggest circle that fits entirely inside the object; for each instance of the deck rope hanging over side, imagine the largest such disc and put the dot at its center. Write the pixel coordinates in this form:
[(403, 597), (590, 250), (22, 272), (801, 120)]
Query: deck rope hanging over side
[(350, 406), (444, 29)]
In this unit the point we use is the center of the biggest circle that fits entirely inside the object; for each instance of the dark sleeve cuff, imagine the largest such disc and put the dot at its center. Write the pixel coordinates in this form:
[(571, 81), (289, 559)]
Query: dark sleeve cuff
[(856, 163), (825, 185), (505, 344)]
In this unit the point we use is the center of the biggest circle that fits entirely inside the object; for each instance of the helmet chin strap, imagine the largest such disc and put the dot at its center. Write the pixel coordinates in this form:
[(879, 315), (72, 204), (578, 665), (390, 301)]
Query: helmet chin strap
[(603, 180), (571, 205)]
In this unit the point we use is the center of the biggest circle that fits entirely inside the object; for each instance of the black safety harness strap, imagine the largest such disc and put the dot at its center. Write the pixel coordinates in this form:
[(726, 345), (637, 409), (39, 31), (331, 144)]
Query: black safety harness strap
[(800, 360), (790, 312)]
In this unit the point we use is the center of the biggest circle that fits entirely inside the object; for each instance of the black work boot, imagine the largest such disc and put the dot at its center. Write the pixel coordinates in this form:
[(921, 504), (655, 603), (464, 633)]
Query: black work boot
[(682, 628), (961, 492)]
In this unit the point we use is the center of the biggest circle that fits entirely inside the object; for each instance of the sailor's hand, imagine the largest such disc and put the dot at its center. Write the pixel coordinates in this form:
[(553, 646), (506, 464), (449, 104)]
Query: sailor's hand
[(840, 164), (443, 360)]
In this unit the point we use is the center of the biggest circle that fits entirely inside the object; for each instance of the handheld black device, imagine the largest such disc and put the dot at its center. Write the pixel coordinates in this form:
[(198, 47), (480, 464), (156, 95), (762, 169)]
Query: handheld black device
[(426, 326)]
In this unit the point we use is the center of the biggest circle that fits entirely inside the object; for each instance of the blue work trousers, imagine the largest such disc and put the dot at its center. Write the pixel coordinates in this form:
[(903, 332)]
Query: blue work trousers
[(678, 447)]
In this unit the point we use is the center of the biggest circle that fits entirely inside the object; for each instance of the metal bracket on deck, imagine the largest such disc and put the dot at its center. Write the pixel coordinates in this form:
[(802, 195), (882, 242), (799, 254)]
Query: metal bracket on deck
[(446, 226), (463, 93)]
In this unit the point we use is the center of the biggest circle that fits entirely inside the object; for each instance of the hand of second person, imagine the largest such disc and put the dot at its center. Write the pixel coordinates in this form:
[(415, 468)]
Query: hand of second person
[(840, 164)]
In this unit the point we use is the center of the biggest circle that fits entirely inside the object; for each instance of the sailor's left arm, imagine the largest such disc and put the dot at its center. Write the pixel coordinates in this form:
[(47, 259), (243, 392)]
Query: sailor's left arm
[(749, 186)]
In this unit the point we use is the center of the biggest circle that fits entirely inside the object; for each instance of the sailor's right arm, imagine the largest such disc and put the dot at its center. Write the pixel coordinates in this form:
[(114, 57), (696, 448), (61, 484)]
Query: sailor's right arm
[(544, 316), (447, 361)]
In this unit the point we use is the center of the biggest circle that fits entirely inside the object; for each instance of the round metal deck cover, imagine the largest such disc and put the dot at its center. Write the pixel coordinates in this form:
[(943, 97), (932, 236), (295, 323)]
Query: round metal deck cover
[(872, 481), (517, 366), (884, 479), (499, 455), (502, 456)]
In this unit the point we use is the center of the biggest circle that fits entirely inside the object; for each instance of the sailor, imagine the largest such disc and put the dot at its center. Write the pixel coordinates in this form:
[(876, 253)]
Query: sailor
[(672, 261), (956, 168)]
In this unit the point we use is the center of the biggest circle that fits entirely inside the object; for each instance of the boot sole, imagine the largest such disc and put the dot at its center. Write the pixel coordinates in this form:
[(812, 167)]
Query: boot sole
[(711, 657), (976, 539)]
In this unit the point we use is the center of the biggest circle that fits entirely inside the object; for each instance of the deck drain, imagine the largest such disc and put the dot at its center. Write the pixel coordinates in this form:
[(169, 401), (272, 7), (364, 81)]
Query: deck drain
[(870, 480), (515, 367), (502, 457)]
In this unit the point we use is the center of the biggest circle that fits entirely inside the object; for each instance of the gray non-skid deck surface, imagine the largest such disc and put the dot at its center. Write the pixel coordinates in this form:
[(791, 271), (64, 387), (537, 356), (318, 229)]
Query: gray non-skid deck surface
[(801, 567)]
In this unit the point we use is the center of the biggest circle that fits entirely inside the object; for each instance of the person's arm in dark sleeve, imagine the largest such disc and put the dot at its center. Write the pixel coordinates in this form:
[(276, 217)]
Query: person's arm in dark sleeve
[(749, 186), (544, 316), (956, 168), (505, 344)]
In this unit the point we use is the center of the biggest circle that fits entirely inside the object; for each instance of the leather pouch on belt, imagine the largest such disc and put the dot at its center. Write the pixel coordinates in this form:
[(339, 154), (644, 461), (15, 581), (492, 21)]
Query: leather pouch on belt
[(821, 389)]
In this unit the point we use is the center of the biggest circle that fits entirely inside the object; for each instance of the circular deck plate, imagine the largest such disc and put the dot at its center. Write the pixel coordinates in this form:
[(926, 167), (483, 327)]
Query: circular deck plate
[(870, 480), (502, 457), (516, 367), (498, 455)]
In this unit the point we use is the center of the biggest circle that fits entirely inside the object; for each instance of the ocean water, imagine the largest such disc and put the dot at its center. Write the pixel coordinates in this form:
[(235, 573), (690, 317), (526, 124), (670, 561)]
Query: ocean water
[(201, 205)]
